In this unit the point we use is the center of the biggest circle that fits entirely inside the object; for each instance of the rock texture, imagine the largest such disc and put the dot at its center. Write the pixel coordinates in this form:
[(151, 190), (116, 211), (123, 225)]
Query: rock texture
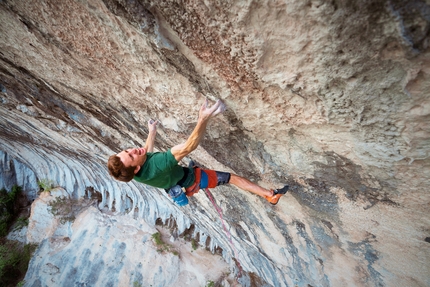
[(328, 96), (15, 173), (99, 250), (42, 222)]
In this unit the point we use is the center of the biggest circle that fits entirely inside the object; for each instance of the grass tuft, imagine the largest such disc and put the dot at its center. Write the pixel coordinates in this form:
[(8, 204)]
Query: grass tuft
[(163, 246), (45, 184), (194, 244)]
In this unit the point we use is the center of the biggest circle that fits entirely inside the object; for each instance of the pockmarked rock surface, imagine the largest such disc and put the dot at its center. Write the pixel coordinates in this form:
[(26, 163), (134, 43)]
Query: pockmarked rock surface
[(42, 223), (330, 97), (101, 250)]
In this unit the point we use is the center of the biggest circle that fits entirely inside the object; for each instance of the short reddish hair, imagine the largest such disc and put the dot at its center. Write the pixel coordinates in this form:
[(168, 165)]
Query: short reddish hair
[(118, 170)]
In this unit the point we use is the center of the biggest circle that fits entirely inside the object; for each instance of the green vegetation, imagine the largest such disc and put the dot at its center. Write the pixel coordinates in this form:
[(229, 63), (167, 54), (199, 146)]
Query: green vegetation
[(194, 244), (157, 238), (136, 284), (45, 184), (20, 223), (14, 256), (163, 246), (14, 259), (8, 208), (210, 283)]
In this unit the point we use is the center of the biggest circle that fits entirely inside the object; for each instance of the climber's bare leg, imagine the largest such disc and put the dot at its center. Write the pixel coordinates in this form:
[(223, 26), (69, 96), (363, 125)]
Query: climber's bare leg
[(247, 185)]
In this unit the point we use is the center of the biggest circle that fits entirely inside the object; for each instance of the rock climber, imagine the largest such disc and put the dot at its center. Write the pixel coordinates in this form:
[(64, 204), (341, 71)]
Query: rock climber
[(161, 169)]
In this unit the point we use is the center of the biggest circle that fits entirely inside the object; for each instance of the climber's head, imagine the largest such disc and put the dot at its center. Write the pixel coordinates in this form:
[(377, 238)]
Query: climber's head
[(124, 165)]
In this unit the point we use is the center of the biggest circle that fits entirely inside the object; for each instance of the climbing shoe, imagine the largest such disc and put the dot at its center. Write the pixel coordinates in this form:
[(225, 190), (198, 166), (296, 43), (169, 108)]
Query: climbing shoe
[(277, 193)]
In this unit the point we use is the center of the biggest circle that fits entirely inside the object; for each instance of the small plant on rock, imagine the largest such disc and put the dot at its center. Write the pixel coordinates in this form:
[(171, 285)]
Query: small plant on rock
[(157, 238), (161, 245), (45, 184), (194, 244)]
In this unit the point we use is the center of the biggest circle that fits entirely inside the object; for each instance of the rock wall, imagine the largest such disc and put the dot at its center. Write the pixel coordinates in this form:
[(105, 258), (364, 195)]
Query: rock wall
[(330, 97), (100, 250), (16, 173)]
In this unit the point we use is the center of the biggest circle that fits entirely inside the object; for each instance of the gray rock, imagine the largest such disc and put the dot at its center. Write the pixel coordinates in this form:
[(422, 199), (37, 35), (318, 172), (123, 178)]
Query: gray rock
[(330, 97), (108, 251)]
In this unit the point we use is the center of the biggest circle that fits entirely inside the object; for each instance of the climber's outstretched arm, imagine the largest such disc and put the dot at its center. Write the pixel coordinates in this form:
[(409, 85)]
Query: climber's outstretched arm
[(152, 127), (205, 114)]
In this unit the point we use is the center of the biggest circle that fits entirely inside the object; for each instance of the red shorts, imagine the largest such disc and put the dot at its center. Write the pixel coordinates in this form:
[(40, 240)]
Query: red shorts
[(207, 179)]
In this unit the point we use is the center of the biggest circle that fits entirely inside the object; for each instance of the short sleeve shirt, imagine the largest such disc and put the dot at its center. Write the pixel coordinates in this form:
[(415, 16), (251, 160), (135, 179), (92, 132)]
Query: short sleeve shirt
[(160, 170)]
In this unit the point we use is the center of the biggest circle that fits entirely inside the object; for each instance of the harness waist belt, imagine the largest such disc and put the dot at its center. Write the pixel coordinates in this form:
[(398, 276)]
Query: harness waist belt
[(184, 178)]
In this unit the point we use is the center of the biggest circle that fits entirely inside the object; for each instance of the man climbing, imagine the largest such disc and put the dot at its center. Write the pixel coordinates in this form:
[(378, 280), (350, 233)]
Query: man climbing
[(161, 169)]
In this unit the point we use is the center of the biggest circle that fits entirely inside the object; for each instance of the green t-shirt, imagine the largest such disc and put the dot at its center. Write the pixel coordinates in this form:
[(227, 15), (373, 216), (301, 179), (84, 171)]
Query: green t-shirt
[(162, 170)]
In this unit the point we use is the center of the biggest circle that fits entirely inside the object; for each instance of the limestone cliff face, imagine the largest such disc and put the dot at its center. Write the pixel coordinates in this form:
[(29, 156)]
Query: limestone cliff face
[(328, 96)]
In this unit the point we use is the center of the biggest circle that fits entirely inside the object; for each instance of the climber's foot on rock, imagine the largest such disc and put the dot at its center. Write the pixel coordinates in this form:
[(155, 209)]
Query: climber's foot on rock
[(277, 193)]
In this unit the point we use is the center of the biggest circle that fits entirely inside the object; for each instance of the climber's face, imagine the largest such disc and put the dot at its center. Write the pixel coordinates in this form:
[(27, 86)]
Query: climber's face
[(133, 157)]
